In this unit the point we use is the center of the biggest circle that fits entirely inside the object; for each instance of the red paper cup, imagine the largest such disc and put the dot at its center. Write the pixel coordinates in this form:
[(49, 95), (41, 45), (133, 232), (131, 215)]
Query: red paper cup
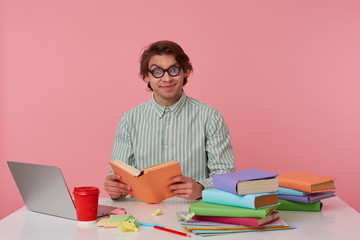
[(86, 203)]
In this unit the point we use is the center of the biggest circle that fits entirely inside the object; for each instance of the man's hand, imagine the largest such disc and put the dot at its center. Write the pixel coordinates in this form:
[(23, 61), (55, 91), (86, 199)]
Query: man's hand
[(114, 187), (185, 187)]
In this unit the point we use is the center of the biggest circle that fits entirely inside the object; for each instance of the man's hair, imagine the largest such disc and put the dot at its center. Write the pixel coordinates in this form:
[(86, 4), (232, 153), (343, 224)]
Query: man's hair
[(165, 48)]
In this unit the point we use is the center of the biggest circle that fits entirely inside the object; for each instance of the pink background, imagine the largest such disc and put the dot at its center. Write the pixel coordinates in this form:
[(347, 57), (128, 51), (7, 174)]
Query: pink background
[(285, 75)]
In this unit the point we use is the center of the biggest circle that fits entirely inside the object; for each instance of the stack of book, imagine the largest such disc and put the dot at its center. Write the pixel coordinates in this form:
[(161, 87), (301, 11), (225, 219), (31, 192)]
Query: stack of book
[(240, 201), (301, 191)]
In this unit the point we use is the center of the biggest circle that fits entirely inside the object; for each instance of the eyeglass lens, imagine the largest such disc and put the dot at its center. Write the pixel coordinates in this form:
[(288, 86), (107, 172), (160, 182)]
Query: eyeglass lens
[(159, 72)]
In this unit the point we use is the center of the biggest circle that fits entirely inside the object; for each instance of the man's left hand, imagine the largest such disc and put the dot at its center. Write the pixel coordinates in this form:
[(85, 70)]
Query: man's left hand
[(185, 187)]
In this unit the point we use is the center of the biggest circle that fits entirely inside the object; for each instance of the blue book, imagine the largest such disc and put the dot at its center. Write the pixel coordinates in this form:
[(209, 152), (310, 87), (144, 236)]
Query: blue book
[(247, 181), (293, 192), (252, 201)]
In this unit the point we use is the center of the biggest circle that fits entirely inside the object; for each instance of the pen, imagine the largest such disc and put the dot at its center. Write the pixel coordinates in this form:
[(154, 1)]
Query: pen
[(149, 224), (172, 231)]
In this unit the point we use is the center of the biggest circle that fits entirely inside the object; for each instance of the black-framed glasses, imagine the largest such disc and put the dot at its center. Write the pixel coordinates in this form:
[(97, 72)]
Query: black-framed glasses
[(158, 72)]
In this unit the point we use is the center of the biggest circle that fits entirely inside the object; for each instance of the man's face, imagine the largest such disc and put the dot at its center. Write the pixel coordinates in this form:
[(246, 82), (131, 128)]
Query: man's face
[(167, 89)]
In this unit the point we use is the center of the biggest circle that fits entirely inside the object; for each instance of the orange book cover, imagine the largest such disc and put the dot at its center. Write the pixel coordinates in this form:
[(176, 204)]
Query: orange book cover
[(306, 182), (149, 184)]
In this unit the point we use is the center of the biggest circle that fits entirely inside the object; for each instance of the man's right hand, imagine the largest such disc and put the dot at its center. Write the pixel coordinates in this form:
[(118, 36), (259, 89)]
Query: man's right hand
[(114, 187)]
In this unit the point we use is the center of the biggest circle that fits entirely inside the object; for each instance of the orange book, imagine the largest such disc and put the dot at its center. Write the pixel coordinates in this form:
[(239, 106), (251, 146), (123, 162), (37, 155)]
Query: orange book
[(306, 182), (149, 184)]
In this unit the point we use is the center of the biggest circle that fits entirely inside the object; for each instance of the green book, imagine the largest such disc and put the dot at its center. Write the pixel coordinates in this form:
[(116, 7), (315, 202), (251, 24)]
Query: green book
[(299, 206), (209, 209)]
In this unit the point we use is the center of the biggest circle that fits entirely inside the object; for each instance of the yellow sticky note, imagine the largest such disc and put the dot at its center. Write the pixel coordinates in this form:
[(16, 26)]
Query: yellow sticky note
[(127, 226), (188, 217), (104, 222), (156, 212)]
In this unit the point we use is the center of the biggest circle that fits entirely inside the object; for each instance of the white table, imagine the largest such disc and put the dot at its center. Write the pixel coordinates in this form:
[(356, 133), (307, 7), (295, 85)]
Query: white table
[(336, 221)]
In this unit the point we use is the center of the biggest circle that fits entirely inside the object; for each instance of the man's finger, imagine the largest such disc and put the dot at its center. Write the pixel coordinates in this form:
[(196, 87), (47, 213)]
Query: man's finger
[(177, 179), (114, 177)]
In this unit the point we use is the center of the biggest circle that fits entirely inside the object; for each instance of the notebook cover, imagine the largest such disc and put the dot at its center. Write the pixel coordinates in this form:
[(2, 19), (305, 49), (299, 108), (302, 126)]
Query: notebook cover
[(223, 221), (275, 225)]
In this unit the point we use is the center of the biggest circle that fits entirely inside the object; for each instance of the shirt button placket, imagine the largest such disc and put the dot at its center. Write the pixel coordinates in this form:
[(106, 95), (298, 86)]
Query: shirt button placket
[(167, 113)]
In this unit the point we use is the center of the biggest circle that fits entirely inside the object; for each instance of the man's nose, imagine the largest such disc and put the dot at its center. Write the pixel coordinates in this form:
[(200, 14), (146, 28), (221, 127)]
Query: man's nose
[(167, 77)]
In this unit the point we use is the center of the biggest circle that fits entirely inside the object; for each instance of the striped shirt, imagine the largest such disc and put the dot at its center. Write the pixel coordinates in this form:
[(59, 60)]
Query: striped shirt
[(190, 132)]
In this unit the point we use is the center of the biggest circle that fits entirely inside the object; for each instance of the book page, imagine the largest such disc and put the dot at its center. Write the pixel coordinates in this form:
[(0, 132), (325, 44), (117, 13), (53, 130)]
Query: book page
[(323, 186), (159, 165), (127, 168)]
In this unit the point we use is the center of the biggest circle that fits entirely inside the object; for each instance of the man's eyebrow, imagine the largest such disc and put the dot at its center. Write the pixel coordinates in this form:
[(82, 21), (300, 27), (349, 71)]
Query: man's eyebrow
[(154, 65)]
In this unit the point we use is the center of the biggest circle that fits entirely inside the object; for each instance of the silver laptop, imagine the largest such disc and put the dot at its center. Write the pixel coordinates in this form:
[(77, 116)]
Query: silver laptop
[(44, 190)]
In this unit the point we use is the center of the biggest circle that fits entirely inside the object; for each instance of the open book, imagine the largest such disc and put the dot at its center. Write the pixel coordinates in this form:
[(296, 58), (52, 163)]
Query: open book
[(148, 185)]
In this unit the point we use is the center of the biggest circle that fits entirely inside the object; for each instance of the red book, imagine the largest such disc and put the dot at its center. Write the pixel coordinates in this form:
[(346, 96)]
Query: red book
[(245, 221)]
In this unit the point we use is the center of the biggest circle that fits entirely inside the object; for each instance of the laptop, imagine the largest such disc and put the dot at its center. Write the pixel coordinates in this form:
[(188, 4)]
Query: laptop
[(44, 190)]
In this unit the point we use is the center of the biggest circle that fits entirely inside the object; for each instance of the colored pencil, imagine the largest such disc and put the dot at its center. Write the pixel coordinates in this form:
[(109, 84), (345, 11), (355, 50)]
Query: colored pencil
[(172, 231), (150, 224)]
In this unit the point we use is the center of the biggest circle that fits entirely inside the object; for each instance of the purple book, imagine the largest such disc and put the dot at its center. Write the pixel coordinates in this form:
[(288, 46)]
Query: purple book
[(229, 181), (310, 198)]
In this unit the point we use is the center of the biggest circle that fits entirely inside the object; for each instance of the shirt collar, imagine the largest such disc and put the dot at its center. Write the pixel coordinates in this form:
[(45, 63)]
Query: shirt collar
[(175, 108)]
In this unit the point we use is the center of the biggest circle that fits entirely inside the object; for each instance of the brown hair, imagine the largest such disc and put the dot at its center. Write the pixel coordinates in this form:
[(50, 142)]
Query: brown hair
[(164, 48)]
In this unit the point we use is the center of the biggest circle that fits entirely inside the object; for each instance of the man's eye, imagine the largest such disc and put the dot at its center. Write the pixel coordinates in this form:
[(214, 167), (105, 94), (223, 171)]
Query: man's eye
[(157, 71)]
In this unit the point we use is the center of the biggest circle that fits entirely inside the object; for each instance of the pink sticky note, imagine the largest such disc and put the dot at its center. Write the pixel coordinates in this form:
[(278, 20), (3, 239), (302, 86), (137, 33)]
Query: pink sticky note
[(118, 211)]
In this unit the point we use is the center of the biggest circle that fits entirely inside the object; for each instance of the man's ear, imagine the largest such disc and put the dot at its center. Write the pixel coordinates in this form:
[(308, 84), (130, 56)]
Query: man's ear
[(186, 73), (146, 79)]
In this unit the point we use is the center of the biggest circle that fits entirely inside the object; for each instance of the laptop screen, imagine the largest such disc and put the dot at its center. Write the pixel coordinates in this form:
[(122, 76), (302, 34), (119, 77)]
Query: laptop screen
[(43, 189)]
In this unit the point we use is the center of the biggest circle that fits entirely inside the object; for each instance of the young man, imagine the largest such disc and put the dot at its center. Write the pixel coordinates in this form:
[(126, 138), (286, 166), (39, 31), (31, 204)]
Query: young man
[(171, 126)]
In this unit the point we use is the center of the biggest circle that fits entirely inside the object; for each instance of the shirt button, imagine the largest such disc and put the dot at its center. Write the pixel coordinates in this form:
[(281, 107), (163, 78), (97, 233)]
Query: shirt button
[(167, 126), (166, 147)]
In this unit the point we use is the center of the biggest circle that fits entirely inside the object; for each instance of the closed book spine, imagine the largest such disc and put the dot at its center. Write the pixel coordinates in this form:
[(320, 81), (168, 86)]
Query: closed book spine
[(252, 201)]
